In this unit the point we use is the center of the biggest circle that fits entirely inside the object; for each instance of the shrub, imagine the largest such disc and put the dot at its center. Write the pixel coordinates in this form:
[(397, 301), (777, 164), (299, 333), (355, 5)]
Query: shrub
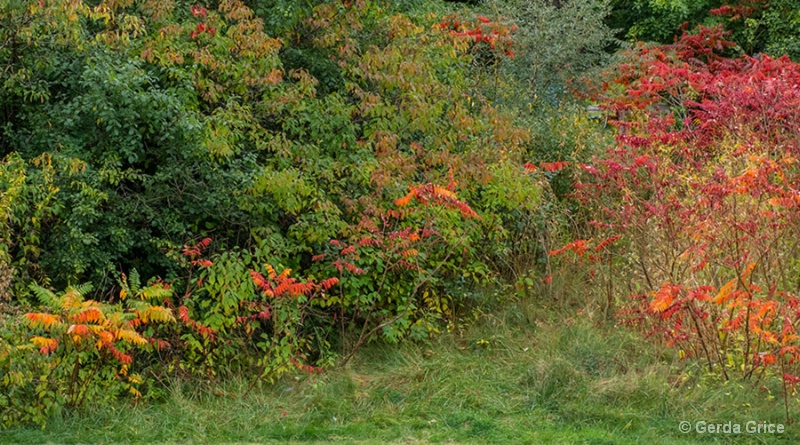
[(553, 42), (155, 125), (702, 188), (136, 128), (757, 26), (74, 350)]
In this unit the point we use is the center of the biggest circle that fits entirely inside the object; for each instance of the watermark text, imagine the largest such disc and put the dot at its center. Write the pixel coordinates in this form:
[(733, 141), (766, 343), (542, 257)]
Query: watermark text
[(730, 427)]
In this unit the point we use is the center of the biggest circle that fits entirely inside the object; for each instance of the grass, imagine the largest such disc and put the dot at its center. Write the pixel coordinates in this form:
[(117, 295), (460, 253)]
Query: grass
[(522, 378)]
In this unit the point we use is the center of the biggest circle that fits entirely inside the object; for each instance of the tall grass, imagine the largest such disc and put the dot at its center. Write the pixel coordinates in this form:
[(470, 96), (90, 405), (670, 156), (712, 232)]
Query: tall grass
[(526, 375)]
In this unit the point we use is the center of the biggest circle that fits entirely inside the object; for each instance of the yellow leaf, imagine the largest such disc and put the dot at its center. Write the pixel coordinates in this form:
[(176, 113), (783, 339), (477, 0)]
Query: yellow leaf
[(130, 337)]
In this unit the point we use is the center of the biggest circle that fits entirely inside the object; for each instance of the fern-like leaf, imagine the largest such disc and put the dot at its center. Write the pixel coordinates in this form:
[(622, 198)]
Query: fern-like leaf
[(157, 314), (45, 296), (155, 292), (84, 288), (134, 281)]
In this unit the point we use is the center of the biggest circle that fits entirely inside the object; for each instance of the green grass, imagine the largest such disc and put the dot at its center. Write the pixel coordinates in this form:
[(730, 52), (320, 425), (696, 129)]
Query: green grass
[(514, 379)]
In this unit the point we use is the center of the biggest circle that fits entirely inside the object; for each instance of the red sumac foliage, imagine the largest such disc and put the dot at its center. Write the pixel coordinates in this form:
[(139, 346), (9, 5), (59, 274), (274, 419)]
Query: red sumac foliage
[(739, 9), (482, 32), (704, 184)]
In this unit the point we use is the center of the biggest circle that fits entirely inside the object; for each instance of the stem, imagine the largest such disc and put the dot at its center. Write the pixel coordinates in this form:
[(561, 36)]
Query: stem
[(610, 288), (700, 337), (366, 334), (785, 391), (73, 381)]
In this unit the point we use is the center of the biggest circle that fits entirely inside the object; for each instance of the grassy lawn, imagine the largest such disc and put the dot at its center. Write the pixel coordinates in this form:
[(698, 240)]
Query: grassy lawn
[(510, 380)]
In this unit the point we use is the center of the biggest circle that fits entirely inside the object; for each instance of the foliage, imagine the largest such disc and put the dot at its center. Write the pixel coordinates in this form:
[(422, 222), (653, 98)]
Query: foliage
[(702, 188), (135, 127), (382, 172), (657, 20), (757, 25), (240, 319), (553, 42), (524, 374), (77, 350), (159, 122), (393, 266)]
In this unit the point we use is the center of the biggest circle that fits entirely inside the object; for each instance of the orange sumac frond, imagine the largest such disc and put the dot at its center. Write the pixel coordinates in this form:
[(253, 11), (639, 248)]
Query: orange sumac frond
[(725, 291), (45, 345), (203, 263), (554, 166), (431, 193), (183, 315), (664, 297), (283, 286), (607, 242), (329, 283), (578, 246), (298, 289), (78, 329), (42, 320), (409, 253), (121, 357), (261, 282), (196, 250), (88, 315), (405, 200)]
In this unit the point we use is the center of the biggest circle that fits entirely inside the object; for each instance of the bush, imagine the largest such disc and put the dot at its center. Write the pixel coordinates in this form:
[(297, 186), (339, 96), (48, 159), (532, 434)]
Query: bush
[(553, 43), (151, 126), (756, 26), (701, 192), (137, 131), (74, 350)]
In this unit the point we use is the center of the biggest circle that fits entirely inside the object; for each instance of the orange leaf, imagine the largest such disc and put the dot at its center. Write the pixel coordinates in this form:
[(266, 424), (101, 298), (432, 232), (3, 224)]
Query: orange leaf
[(554, 166), (405, 200), (664, 297), (725, 291)]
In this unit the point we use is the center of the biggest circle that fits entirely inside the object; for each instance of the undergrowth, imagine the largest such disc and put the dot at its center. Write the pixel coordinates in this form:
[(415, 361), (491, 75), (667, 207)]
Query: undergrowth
[(531, 374)]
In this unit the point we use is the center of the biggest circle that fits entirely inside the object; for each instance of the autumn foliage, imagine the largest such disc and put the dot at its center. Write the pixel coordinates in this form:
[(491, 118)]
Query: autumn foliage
[(702, 188), (301, 181)]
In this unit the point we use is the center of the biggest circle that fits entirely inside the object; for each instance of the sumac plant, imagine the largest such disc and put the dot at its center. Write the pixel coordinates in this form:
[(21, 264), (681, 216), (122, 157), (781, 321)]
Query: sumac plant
[(78, 349), (237, 309), (703, 185), (390, 268), (483, 33)]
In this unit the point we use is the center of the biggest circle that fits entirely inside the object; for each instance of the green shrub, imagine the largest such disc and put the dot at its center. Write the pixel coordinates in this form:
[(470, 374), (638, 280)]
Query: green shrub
[(135, 128)]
